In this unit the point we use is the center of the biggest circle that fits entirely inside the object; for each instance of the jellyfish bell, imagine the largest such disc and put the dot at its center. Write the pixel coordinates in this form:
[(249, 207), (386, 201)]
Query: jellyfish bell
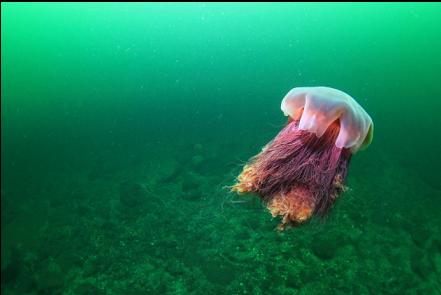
[(302, 171), (318, 107)]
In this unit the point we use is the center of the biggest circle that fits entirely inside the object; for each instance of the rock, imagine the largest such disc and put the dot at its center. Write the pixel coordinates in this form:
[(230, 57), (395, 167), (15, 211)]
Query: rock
[(420, 264), (189, 185), (50, 280), (88, 289), (10, 272), (11, 265), (325, 247), (132, 194), (197, 147), (420, 236), (197, 160), (191, 196)]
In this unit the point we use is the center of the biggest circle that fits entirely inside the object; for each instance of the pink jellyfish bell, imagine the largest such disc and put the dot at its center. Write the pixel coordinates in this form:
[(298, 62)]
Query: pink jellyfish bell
[(302, 171)]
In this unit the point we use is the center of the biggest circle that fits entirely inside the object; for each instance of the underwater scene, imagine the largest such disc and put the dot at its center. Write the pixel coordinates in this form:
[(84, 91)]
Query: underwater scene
[(220, 148)]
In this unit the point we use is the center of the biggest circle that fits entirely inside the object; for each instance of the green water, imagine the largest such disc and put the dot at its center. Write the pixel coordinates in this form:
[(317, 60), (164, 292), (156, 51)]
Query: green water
[(123, 123)]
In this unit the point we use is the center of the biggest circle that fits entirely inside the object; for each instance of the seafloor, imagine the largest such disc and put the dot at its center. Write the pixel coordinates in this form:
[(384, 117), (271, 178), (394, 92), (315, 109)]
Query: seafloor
[(165, 223)]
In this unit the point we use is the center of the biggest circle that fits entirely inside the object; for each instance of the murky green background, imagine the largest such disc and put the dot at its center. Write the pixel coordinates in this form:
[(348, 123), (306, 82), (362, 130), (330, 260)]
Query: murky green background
[(123, 123)]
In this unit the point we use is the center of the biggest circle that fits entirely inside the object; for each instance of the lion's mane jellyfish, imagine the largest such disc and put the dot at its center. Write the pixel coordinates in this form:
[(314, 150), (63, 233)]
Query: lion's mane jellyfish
[(302, 171)]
